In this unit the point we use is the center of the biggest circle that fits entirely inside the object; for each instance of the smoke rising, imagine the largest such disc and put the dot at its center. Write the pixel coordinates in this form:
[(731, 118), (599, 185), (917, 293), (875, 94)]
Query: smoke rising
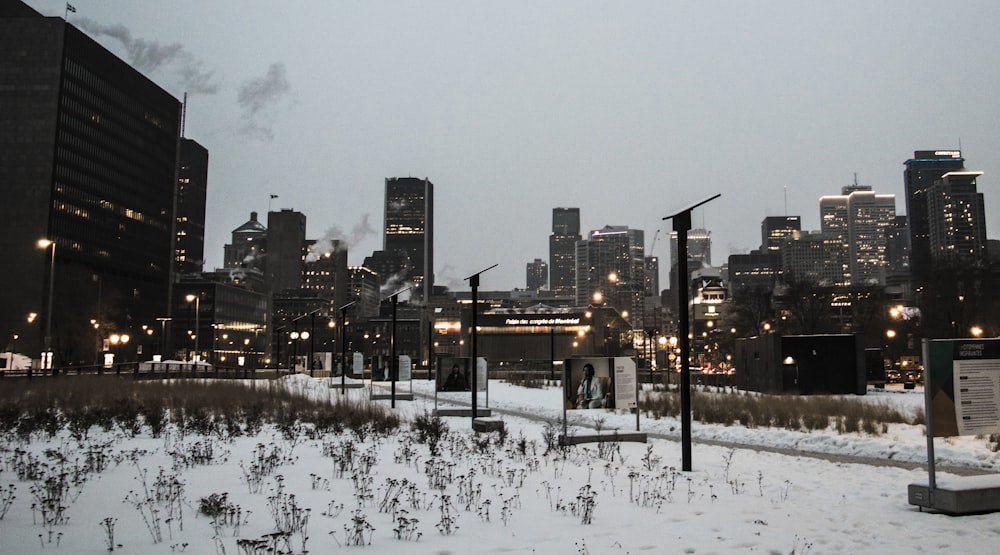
[(335, 239), (151, 56), (258, 98)]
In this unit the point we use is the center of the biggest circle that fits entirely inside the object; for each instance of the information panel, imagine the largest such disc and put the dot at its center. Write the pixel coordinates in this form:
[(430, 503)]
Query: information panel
[(625, 383), (962, 384)]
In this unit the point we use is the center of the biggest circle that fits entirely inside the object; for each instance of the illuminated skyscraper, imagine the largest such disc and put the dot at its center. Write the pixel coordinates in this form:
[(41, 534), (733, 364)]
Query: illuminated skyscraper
[(562, 251), (611, 269), (409, 227), (860, 219), (925, 168)]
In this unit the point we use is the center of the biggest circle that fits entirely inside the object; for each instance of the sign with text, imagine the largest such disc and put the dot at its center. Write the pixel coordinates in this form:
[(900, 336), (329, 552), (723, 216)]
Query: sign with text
[(625, 383), (962, 385), (405, 368)]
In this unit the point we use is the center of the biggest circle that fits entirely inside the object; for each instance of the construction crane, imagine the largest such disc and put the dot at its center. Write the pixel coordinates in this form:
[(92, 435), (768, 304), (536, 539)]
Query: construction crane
[(653, 245)]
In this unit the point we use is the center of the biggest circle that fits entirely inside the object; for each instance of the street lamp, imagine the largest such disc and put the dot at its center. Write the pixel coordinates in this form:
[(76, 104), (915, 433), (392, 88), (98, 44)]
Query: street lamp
[(197, 322), (116, 340), (343, 346), (163, 335), (47, 355)]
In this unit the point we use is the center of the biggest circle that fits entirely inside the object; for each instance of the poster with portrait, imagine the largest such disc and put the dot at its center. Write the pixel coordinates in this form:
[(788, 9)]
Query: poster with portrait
[(588, 383), (453, 374)]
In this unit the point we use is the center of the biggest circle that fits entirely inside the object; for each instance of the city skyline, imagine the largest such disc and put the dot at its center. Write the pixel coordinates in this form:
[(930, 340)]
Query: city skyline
[(513, 110)]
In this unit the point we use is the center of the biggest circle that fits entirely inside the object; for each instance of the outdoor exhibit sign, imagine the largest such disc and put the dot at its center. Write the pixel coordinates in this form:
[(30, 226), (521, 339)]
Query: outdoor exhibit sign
[(482, 379), (588, 383), (626, 390), (962, 386), (453, 374), (405, 368), (358, 366)]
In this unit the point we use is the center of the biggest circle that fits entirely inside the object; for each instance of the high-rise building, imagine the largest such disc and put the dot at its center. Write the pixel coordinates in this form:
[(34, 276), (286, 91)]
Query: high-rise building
[(327, 273), (562, 251), (760, 269), (774, 230), (699, 243), (409, 227), (956, 219), (611, 269), (284, 257), (813, 256), (925, 168), (859, 218), (89, 154), (247, 246), (537, 274), (192, 189)]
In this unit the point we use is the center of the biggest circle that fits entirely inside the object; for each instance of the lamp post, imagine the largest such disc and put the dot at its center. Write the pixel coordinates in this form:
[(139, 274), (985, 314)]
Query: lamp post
[(197, 322), (393, 365), (474, 283), (343, 347), (163, 335), (682, 223), (47, 354)]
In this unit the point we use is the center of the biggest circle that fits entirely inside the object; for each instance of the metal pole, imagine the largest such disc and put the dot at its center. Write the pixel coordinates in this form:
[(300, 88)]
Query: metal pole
[(474, 282), (552, 354), (430, 351), (312, 344), (48, 318), (343, 347), (392, 352), (682, 223), (295, 346), (197, 327)]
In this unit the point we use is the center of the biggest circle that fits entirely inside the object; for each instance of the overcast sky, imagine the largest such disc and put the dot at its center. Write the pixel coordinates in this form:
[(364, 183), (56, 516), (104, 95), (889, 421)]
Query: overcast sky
[(627, 110)]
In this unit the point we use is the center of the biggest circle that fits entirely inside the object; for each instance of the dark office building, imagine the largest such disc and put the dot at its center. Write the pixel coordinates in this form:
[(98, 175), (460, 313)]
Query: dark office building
[(284, 259), (247, 247), (409, 226), (774, 230), (758, 270), (192, 189), (922, 171), (536, 274), (562, 251), (226, 319), (88, 153)]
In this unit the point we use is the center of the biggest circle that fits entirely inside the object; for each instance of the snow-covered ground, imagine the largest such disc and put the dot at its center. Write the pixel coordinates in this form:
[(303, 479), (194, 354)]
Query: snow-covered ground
[(622, 498)]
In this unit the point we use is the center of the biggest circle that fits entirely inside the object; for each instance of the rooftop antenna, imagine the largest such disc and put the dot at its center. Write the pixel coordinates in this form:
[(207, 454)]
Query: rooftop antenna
[(786, 200)]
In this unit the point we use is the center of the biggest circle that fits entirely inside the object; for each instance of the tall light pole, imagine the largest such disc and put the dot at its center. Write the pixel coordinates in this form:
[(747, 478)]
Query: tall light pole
[(163, 335), (474, 283), (682, 223), (197, 321), (47, 354), (393, 364), (343, 347)]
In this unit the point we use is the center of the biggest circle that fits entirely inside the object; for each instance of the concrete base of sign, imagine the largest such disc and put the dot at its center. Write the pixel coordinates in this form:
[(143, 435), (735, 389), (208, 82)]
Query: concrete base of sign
[(958, 495), (462, 412), (348, 385), (388, 396), (603, 436), (487, 425)]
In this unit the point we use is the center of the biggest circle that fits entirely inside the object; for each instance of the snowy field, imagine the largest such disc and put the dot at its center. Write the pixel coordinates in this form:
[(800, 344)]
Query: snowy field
[(271, 494)]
